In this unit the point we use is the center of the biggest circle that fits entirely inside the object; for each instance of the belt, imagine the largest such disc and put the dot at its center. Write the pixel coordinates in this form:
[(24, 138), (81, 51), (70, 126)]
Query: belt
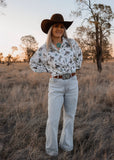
[(64, 76)]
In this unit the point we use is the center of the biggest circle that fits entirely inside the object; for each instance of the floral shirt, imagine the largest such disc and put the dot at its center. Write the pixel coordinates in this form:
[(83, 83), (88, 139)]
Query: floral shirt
[(65, 60)]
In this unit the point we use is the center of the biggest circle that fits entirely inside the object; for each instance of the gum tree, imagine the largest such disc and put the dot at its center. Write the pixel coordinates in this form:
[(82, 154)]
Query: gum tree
[(3, 3), (29, 45), (98, 17)]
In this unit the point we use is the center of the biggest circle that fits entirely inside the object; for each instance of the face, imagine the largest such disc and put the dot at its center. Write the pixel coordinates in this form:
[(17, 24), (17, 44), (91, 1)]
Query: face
[(58, 30)]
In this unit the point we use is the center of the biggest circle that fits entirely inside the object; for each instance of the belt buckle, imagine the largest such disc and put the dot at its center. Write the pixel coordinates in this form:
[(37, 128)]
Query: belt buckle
[(66, 76)]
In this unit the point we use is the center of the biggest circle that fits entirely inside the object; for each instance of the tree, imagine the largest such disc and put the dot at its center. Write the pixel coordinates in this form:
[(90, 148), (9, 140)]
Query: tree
[(85, 38), (99, 17), (3, 3), (9, 58), (1, 57), (14, 48), (15, 59), (30, 45)]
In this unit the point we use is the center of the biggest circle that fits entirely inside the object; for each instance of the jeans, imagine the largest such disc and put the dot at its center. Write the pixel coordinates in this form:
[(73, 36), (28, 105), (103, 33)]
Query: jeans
[(61, 92)]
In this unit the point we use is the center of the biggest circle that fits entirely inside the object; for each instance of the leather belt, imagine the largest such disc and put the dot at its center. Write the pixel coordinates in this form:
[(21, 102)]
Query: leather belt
[(64, 76)]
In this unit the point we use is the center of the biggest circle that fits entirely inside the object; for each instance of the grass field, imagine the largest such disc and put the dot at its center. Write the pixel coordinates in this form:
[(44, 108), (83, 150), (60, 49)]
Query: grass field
[(23, 114)]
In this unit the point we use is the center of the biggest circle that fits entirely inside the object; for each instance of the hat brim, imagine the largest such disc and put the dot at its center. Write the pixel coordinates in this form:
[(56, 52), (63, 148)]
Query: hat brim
[(46, 24)]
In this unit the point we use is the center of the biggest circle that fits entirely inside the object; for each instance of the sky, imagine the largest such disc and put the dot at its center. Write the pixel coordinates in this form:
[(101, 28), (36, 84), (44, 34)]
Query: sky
[(23, 17)]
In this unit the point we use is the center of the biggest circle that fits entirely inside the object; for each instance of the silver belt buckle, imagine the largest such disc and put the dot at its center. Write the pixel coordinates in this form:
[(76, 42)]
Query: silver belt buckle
[(66, 76)]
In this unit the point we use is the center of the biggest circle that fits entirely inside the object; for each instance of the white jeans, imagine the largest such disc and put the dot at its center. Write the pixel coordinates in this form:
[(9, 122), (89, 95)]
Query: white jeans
[(61, 92)]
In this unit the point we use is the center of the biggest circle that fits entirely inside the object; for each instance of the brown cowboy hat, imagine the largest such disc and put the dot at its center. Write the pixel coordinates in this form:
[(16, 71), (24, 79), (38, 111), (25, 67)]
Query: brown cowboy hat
[(56, 18)]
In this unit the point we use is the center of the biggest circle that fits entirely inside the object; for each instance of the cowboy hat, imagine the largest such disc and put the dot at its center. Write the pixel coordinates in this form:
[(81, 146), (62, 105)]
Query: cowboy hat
[(56, 18)]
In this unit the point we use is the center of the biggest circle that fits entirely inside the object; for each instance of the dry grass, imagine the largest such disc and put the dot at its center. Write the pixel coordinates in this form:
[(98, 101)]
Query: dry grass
[(23, 114)]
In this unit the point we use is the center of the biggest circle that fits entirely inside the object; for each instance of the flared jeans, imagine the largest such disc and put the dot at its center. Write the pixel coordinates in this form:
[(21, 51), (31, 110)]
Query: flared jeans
[(61, 93)]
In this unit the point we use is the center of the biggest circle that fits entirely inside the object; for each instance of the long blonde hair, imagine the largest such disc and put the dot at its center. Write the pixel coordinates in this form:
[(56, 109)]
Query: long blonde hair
[(49, 39)]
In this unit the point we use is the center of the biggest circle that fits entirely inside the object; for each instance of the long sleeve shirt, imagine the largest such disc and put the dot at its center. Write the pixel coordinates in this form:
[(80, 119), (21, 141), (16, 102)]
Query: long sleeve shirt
[(65, 60)]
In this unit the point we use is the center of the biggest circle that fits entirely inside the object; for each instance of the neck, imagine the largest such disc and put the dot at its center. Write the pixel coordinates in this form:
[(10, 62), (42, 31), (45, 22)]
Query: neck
[(56, 40)]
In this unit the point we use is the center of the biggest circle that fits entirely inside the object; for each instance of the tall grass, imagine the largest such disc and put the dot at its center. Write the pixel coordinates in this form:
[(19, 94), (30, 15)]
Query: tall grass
[(23, 114)]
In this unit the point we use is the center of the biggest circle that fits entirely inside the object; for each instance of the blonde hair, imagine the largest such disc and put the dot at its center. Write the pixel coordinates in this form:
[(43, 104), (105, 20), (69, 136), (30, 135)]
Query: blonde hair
[(49, 39)]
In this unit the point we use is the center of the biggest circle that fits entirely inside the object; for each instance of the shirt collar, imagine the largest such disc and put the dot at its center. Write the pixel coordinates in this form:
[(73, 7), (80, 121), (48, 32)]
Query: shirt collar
[(64, 40)]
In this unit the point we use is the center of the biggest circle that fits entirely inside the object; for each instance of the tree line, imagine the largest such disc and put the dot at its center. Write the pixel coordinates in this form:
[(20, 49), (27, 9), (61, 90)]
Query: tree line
[(28, 46)]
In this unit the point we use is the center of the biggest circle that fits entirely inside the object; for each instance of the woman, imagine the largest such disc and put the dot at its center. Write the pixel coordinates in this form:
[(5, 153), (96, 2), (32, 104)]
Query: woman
[(61, 57)]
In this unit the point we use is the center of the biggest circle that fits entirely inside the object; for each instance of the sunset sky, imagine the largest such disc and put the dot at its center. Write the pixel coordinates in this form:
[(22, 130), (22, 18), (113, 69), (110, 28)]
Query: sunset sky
[(23, 17)]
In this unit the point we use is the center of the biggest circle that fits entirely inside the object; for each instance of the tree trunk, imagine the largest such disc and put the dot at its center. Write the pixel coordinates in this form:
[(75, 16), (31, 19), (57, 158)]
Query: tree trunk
[(98, 47)]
